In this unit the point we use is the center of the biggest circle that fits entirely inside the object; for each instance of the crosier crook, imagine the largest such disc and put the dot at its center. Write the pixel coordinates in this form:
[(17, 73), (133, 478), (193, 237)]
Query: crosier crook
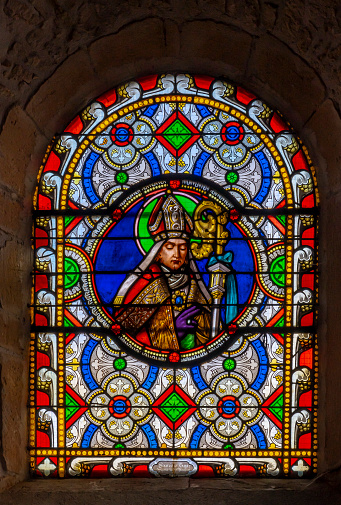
[(209, 228)]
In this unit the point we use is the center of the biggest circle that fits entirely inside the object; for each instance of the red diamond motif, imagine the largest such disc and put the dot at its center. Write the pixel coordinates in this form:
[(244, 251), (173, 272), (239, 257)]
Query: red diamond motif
[(177, 117), (162, 400)]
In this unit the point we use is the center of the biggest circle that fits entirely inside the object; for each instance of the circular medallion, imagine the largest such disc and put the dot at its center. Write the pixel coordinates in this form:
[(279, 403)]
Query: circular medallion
[(121, 177), (119, 406), (232, 177), (232, 133), (228, 407), (121, 134), (229, 364), (155, 266), (120, 363)]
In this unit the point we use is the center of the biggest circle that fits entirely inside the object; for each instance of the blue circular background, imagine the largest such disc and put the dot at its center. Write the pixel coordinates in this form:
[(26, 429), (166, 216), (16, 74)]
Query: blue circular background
[(232, 133), (119, 406), (229, 407), (118, 255), (122, 134)]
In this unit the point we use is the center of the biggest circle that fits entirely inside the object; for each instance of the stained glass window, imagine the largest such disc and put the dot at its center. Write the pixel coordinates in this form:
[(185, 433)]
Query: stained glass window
[(174, 300)]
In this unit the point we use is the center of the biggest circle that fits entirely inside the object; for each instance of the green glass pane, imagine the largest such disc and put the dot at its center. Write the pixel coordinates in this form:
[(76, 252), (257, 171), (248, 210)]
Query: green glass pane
[(282, 219), (121, 177), (229, 364), (67, 322), (119, 446), (146, 242), (68, 220), (277, 271), (280, 322), (71, 273), (71, 406), (177, 134), (188, 342), (187, 204), (232, 177), (120, 363), (174, 407), (277, 408)]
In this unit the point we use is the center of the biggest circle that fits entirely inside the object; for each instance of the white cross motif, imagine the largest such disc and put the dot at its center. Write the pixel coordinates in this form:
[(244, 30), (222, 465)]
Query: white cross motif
[(300, 467), (46, 467)]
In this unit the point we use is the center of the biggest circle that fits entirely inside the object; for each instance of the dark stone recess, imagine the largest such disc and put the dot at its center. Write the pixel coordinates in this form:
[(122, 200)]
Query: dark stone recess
[(56, 56)]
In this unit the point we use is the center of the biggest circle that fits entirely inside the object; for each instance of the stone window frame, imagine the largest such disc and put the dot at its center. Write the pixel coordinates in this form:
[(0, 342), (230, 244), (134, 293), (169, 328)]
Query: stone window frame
[(88, 73)]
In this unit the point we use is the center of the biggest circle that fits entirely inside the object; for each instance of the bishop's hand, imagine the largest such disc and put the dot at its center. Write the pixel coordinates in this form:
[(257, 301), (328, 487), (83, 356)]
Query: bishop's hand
[(185, 322)]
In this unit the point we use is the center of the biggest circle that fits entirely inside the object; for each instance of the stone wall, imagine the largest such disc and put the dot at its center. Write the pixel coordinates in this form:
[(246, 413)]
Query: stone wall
[(58, 55)]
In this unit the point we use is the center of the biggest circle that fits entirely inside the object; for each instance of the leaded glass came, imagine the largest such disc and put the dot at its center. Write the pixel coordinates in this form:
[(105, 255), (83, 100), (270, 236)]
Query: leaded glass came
[(174, 301)]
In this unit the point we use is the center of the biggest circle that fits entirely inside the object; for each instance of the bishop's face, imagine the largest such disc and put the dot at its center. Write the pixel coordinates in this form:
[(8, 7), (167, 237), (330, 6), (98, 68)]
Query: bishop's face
[(173, 253)]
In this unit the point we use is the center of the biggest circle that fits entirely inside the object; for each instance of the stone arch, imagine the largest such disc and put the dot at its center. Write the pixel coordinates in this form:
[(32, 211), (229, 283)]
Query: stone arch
[(156, 44)]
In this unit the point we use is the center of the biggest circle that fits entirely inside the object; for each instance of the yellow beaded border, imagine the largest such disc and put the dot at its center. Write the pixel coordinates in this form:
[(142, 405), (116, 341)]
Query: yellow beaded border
[(175, 98), (259, 453), (60, 230)]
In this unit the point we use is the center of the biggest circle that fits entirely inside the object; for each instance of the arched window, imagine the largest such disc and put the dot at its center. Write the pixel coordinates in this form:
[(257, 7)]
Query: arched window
[(174, 298)]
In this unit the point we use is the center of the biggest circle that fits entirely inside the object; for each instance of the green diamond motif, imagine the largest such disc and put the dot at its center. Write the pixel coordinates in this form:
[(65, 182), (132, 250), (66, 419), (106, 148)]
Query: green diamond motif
[(71, 406), (177, 134), (174, 407), (277, 407)]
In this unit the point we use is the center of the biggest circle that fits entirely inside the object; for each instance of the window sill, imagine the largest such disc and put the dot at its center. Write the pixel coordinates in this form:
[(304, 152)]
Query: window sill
[(169, 491)]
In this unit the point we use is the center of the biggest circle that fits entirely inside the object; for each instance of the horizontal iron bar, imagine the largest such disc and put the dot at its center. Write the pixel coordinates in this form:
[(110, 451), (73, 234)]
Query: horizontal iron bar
[(245, 211), (240, 331), (312, 270)]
